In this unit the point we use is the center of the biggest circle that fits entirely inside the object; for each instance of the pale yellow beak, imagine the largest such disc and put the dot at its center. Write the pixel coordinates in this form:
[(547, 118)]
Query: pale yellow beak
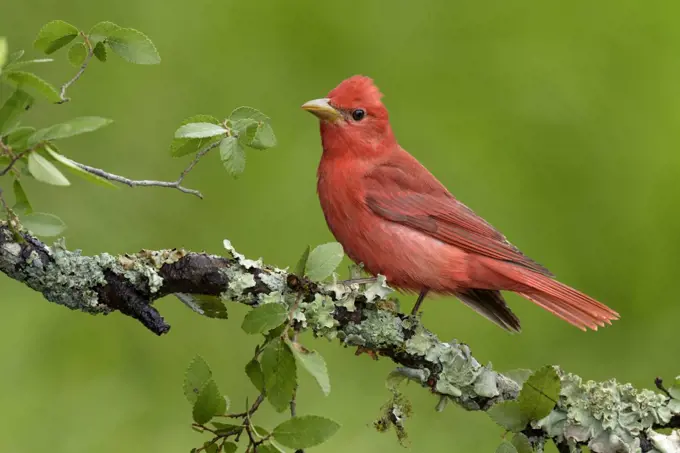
[(323, 110)]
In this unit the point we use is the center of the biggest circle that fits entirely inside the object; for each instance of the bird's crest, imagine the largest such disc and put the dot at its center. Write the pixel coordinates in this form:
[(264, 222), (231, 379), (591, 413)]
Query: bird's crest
[(356, 91)]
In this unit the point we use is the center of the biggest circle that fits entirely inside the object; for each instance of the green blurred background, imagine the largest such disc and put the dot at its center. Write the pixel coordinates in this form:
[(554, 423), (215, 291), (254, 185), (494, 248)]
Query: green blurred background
[(557, 121)]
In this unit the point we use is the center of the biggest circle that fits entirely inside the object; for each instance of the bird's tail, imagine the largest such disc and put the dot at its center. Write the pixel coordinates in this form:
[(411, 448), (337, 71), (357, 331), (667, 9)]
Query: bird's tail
[(571, 305)]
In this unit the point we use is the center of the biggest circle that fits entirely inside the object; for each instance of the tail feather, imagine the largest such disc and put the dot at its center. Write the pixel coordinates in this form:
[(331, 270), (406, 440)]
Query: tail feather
[(490, 304), (563, 301)]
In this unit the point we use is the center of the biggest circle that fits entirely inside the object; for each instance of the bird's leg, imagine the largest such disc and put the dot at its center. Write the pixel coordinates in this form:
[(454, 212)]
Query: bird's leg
[(358, 281), (421, 298)]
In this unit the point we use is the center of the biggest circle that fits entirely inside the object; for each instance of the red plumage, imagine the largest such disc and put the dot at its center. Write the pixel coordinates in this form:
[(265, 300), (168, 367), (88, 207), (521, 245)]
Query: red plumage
[(390, 213)]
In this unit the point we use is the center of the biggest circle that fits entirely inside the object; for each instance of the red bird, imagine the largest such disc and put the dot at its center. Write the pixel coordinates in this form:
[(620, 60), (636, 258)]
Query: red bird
[(390, 213)]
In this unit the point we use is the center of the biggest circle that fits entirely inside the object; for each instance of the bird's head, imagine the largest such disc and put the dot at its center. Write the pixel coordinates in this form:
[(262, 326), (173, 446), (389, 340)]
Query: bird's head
[(352, 113)]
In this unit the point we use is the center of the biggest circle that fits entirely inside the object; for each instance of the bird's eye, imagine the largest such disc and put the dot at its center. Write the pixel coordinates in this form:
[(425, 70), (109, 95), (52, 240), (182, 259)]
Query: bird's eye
[(358, 114)]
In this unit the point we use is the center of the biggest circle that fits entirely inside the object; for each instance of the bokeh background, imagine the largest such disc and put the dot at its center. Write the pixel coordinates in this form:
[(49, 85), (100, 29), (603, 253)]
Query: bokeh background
[(557, 121)]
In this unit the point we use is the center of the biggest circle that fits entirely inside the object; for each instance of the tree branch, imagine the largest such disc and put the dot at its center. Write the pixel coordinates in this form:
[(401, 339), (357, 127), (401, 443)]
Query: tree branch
[(607, 417)]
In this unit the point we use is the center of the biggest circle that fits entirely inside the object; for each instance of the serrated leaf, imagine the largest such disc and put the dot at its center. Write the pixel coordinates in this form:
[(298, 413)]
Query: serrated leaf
[(264, 318), (208, 306), (519, 375), (43, 170), (280, 375), (323, 260), (302, 262), (183, 146), (4, 51), (241, 113), (133, 45), (539, 393), (100, 51), (305, 431), (28, 81), (264, 137), (55, 35), (209, 403), (199, 130), (232, 155), (506, 447), (197, 375), (76, 126), (521, 443), (101, 31), (73, 167), (43, 224), (314, 363), (14, 106), (508, 415), (254, 373), (21, 204), (77, 54)]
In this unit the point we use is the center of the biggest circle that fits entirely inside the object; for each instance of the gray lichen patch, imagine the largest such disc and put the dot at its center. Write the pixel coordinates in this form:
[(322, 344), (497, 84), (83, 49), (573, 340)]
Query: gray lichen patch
[(608, 416), (379, 330), (141, 268)]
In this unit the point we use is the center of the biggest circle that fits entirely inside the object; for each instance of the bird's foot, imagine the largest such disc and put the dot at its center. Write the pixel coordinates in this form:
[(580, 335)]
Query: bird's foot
[(362, 350), (419, 302)]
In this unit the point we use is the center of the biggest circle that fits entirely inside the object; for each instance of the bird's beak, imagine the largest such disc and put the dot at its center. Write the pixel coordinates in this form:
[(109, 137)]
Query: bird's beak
[(323, 110)]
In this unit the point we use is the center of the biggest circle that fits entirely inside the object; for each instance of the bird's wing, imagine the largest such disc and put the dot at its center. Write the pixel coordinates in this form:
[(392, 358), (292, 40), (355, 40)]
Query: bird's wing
[(416, 199)]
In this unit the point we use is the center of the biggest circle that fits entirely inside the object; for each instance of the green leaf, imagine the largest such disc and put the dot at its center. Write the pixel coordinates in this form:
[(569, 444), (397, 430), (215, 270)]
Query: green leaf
[(254, 372), (199, 130), (76, 126), (264, 137), (73, 167), (280, 376), (14, 106), (313, 362), (183, 146), (55, 35), (264, 318), (242, 113), (506, 447), (43, 170), (230, 447), (323, 260), (675, 389), (539, 393), (77, 54), (521, 443), (28, 80), (302, 262), (15, 56), (197, 375), (43, 224), (305, 431), (4, 51), (203, 304), (508, 415), (232, 155), (18, 138), (133, 45), (101, 31), (21, 204), (209, 403), (224, 428), (267, 448), (100, 51), (519, 375), (210, 446), (20, 64)]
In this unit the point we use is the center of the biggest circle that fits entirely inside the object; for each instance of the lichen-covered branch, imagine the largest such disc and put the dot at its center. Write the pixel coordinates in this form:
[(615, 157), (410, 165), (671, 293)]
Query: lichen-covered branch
[(606, 417)]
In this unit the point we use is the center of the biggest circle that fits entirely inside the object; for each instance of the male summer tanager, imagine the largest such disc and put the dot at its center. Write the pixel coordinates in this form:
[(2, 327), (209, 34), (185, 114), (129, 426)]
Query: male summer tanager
[(391, 214)]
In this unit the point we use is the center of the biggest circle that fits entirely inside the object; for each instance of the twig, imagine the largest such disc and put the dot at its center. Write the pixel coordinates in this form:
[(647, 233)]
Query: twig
[(252, 410), (86, 61), (15, 159)]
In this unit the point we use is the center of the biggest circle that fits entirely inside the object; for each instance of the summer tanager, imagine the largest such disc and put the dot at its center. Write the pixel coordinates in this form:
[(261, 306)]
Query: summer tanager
[(391, 214)]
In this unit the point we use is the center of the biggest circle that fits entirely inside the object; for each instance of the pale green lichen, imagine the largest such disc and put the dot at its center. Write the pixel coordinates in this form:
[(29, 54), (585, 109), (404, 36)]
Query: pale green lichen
[(137, 270), (608, 416), (379, 330), (319, 316), (242, 260)]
